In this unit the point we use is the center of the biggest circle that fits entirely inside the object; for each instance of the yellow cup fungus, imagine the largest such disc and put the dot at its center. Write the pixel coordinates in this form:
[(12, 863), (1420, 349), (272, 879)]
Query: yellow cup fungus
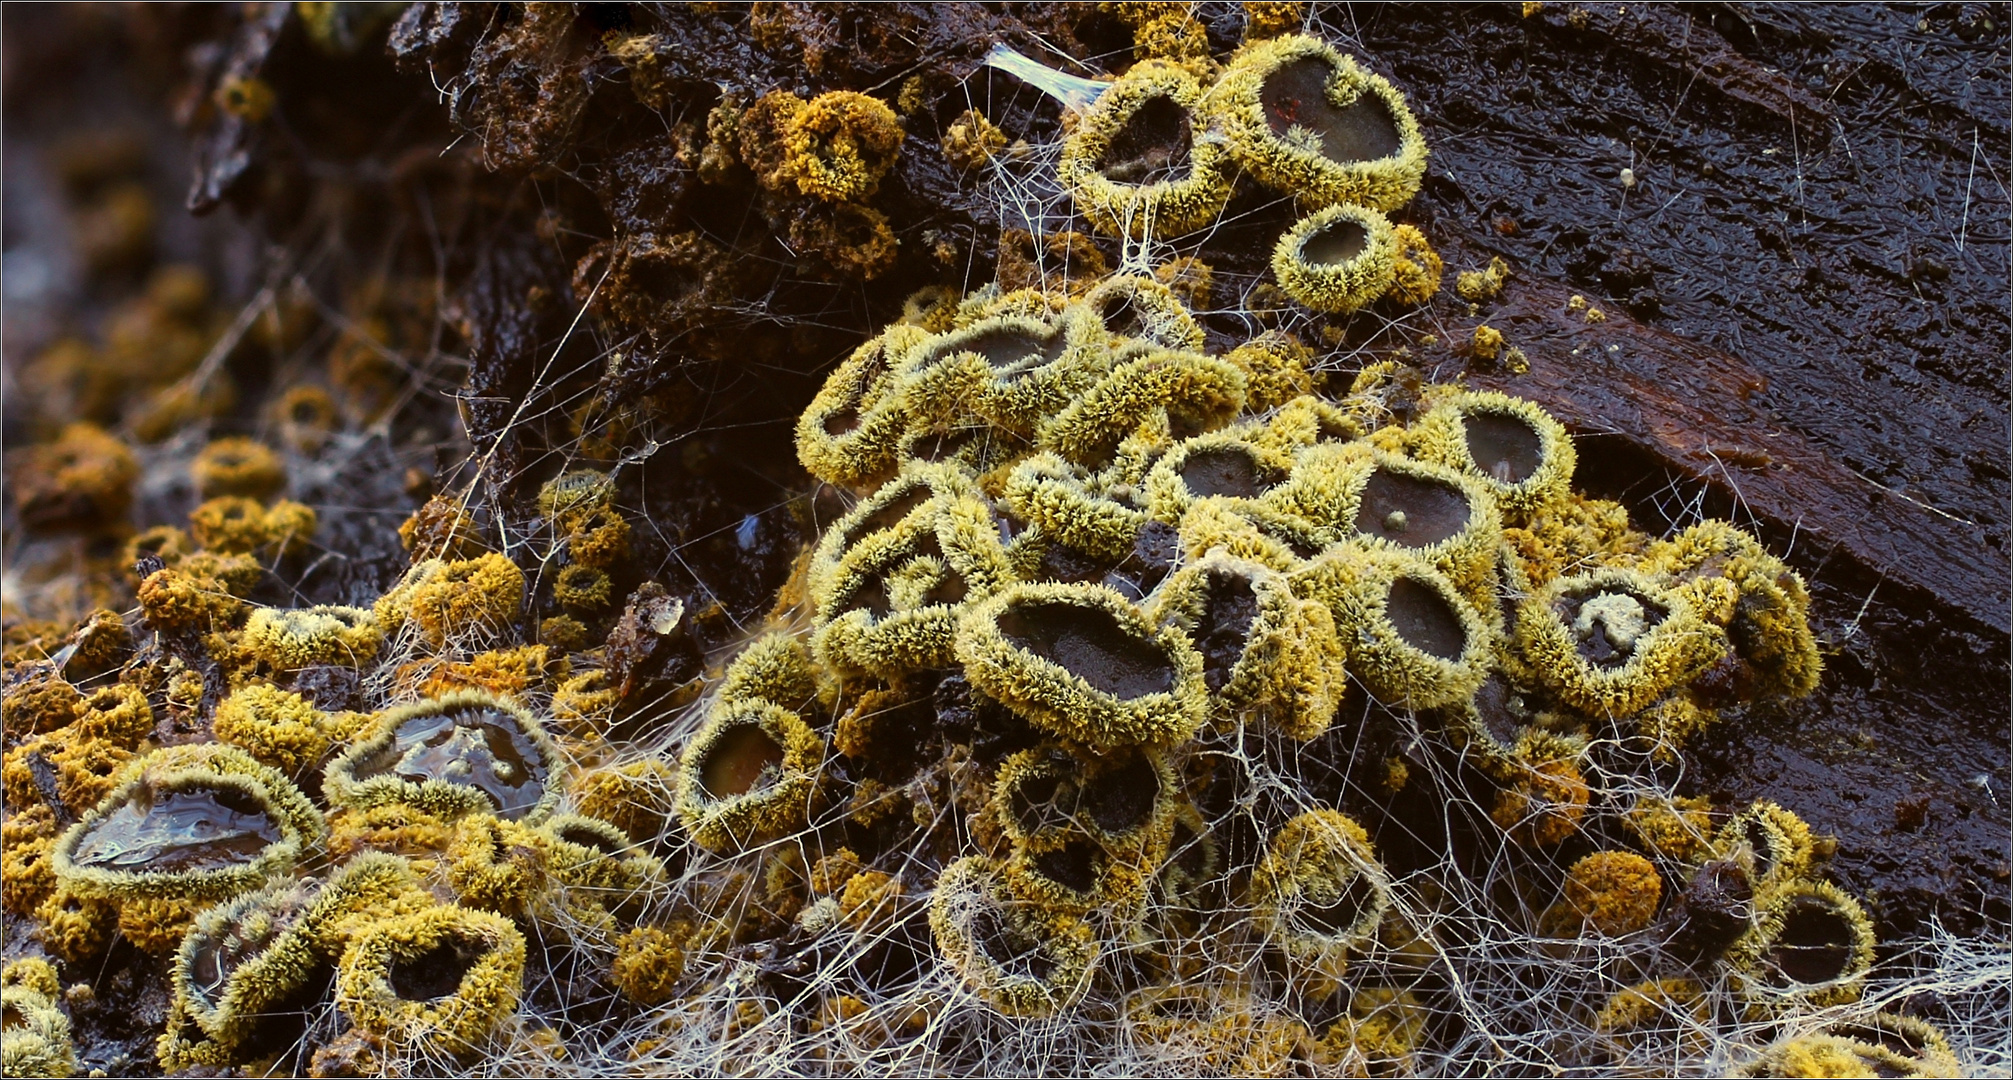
[(466, 752), (202, 821), (1610, 642), (1319, 893), (1010, 370), (1337, 260), (851, 433), (1080, 661), (748, 776), (1136, 307), (1811, 945), (1142, 162), (1302, 117), (1019, 958), (1266, 652), (1519, 452), (442, 977), (1772, 844), (1828, 1055), (892, 603), (1220, 465), (1413, 640)]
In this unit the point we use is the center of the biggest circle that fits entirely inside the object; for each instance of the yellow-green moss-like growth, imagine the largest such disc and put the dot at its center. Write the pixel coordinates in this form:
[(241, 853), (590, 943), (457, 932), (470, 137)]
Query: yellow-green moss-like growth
[(1517, 450), (1267, 654), (1609, 893), (367, 887), (327, 634), (185, 1047), (1136, 307), (1018, 958), (465, 601), (1138, 163), (582, 589), (1773, 844), (778, 669), (1221, 464), (1081, 662), (1769, 622), (1645, 1019), (1319, 893), (197, 822), (1544, 794), (443, 977), (748, 776), (1413, 640), (574, 498), (235, 525), (35, 1040), (891, 604), (1811, 945), (1609, 643), (467, 752), (851, 433), (1304, 118), (84, 478), (497, 865), (1337, 260)]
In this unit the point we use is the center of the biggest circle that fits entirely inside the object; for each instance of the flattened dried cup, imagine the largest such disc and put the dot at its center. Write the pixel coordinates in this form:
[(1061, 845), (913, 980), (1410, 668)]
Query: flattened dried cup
[(196, 822), (468, 752)]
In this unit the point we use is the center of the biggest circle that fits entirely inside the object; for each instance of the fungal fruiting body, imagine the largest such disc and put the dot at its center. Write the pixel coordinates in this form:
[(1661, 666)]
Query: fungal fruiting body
[(1337, 260), (748, 775), (196, 822), (1142, 161), (1319, 892), (1304, 118), (462, 753), (1101, 714)]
